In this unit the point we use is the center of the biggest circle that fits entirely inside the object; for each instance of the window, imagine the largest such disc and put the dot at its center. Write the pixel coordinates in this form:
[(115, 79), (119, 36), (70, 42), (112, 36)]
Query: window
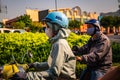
[(6, 31), (16, 31)]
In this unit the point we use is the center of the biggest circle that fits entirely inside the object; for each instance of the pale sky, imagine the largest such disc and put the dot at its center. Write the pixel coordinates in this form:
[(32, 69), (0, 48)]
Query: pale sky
[(17, 7)]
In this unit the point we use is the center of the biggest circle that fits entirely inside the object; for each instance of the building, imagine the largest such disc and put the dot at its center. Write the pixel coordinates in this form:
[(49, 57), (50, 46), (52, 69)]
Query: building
[(116, 13), (74, 13), (33, 14), (9, 22)]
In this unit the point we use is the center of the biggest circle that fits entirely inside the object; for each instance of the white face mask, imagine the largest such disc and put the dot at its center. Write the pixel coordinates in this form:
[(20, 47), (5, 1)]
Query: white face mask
[(90, 31), (48, 32)]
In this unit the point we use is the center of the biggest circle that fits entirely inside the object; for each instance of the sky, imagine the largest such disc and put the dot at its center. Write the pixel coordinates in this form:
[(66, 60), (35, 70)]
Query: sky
[(17, 7)]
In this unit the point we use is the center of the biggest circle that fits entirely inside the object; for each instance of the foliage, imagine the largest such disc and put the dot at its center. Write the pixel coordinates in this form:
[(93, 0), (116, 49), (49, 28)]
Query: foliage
[(17, 44), (74, 24), (18, 25), (25, 22), (110, 21), (79, 68), (26, 19), (36, 26), (78, 40), (116, 52), (116, 21), (106, 21)]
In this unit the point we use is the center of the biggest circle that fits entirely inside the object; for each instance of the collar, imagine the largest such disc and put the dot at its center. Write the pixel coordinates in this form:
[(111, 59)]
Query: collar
[(62, 34), (96, 36)]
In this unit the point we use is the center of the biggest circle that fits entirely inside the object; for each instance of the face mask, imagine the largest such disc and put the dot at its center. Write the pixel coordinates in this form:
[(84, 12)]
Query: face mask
[(90, 31), (48, 32)]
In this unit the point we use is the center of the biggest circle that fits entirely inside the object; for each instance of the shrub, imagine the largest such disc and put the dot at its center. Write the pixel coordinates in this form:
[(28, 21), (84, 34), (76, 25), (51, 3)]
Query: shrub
[(116, 52), (15, 44)]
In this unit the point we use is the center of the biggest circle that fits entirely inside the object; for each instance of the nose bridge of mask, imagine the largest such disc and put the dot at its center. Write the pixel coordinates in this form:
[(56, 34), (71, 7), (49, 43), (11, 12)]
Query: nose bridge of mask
[(48, 29), (91, 30)]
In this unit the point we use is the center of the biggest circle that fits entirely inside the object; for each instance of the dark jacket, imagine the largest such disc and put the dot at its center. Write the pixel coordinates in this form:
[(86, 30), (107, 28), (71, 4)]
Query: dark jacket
[(97, 53)]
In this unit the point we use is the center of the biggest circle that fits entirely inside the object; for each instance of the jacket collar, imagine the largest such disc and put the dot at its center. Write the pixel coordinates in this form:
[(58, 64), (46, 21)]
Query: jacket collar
[(96, 36), (62, 34)]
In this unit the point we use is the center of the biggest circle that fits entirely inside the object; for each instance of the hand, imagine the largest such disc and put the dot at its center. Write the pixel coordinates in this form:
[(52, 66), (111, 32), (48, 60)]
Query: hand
[(24, 66), (75, 53), (30, 65), (75, 48), (19, 76), (78, 58)]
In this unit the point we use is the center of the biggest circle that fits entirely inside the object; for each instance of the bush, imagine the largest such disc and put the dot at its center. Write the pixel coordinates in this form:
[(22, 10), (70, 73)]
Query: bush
[(78, 40), (17, 44), (79, 68), (116, 52)]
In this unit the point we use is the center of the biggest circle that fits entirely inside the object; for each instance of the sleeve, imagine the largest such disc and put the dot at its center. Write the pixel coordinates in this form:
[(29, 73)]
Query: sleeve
[(99, 50), (41, 66), (57, 55), (84, 49)]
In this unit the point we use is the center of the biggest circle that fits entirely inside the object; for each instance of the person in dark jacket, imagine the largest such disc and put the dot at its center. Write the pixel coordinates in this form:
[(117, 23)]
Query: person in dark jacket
[(97, 53)]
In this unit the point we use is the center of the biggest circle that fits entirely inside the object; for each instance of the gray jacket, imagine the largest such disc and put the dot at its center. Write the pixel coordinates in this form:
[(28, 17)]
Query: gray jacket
[(97, 53), (61, 61)]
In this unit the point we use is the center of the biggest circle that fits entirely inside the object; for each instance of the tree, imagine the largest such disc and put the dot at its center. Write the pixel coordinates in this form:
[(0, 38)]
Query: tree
[(116, 21), (18, 25), (74, 24), (36, 26), (111, 21), (107, 21), (26, 19)]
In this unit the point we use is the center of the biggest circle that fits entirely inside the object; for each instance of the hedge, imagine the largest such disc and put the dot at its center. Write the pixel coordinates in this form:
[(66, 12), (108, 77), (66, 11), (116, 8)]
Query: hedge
[(15, 44)]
